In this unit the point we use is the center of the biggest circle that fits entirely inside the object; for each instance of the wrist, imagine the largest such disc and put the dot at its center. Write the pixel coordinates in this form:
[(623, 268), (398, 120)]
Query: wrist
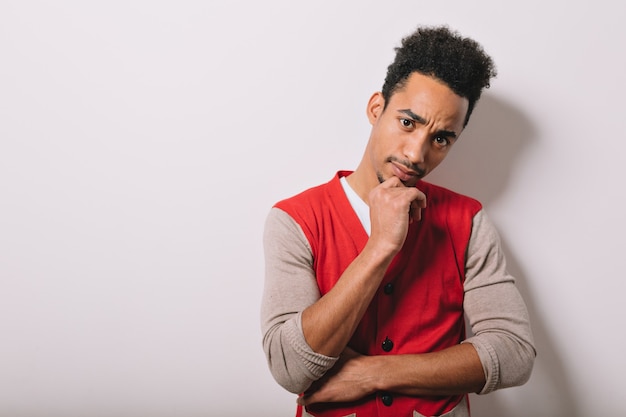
[(381, 251), (375, 371)]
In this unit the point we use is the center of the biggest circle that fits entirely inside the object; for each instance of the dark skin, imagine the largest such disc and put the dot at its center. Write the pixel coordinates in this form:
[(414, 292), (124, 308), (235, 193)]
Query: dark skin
[(409, 138)]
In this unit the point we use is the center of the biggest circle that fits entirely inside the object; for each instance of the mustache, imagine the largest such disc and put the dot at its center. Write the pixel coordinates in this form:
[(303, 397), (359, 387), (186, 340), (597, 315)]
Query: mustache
[(414, 167)]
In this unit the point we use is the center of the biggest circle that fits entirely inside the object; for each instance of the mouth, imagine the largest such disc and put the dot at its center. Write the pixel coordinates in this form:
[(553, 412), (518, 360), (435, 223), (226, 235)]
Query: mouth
[(405, 174)]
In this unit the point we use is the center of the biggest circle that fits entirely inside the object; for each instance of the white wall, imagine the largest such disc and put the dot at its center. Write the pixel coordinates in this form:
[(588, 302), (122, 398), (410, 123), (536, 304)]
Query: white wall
[(143, 142)]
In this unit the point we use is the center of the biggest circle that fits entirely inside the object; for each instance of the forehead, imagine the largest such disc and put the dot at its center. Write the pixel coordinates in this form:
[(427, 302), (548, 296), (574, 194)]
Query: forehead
[(430, 98)]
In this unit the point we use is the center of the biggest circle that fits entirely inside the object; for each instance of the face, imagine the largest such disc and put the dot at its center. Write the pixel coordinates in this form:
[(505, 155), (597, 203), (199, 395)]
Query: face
[(416, 130)]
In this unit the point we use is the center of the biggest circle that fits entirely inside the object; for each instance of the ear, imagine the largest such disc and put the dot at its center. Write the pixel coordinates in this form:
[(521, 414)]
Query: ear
[(375, 107)]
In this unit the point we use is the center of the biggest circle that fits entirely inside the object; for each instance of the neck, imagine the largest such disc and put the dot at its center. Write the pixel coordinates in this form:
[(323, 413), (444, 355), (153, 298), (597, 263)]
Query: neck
[(362, 181)]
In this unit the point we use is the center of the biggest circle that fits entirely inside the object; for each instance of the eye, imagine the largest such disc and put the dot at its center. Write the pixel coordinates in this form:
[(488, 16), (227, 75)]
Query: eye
[(441, 141), (407, 123)]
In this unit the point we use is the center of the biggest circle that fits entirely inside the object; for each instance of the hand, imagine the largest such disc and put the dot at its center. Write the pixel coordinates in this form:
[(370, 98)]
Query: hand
[(392, 207), (347, 381)]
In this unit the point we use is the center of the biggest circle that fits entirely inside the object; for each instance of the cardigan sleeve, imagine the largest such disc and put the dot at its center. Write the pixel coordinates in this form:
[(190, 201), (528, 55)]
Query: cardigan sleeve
[(496, 311), (290, 287)]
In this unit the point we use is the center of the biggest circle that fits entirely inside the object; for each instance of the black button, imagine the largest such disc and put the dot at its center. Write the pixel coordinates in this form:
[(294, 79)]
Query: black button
[(387, 399), (387, 344), (388, 289)]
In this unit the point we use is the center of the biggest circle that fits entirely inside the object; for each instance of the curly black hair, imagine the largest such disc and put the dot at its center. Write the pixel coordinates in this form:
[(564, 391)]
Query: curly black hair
[(461, 63)]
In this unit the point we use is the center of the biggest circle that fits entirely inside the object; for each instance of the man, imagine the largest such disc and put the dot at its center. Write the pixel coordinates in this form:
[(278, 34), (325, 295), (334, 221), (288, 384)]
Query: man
[(369, 276)]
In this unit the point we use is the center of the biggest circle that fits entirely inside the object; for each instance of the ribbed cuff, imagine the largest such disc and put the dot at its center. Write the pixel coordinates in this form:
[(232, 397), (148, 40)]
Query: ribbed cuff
[(317, 364), (489, 360)]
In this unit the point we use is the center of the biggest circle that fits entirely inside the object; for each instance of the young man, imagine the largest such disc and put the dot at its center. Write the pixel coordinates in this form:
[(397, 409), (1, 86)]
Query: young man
[(369, 276)]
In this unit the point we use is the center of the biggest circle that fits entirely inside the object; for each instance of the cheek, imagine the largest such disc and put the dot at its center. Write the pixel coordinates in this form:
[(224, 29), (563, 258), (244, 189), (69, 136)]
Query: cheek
[(436, 158), (379, 142), (385, 142)]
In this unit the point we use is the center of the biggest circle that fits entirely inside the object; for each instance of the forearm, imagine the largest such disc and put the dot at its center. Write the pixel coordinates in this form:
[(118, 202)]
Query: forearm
[(455, 370), (290, 288), (452, 371), (329, 323)]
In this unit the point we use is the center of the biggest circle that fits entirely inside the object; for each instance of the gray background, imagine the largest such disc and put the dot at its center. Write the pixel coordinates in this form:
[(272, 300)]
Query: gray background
[(142, 144)]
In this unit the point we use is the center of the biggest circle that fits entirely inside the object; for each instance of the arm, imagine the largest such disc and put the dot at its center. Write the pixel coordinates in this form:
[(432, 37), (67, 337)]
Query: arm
[(329, 323), (455, 370), (290, 287), (496, 311)]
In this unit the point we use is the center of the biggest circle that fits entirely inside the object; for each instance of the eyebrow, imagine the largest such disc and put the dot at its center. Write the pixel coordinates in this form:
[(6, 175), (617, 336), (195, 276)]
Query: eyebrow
[(421, 120)]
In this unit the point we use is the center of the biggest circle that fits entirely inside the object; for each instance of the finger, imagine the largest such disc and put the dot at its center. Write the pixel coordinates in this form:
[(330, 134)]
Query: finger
[(415, 212), (416, 206), (392, 182), (420, 199)]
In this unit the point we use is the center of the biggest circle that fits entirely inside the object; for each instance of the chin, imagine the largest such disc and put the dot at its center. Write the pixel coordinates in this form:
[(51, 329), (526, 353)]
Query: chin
[(411, 183)]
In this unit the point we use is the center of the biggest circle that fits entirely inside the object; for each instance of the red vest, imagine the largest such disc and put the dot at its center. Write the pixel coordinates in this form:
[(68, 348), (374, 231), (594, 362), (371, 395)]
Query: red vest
[(419, 305)]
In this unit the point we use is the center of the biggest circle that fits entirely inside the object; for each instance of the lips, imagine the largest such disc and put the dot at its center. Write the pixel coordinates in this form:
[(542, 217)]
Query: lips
[(403, 173)]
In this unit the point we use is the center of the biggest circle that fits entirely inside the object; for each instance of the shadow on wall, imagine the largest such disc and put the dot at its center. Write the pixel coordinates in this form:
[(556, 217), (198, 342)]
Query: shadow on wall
[(481, 165)]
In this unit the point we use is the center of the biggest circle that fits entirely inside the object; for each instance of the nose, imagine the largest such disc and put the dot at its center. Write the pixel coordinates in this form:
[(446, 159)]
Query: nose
[(416, 148)]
